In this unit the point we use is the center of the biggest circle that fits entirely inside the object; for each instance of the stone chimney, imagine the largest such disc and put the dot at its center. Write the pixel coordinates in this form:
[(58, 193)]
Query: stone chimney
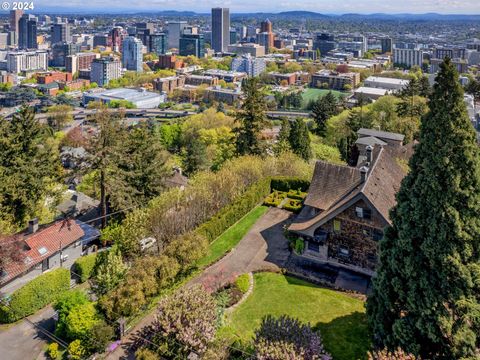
[(364, 173), (33, 226), (369, 150)]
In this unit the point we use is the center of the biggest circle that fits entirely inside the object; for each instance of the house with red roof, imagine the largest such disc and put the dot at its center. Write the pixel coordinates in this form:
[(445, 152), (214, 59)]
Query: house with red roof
[(43, 249)]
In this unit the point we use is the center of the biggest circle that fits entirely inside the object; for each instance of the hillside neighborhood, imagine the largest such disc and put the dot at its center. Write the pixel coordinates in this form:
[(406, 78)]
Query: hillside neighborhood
[(281, 186)]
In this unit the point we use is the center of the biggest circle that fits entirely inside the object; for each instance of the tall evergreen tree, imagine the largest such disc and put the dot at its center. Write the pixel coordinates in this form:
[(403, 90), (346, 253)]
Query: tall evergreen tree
[(143, 163), (426, 295), (283, 143), (252, 119), (299, 139), (29, 165), (322, 109)]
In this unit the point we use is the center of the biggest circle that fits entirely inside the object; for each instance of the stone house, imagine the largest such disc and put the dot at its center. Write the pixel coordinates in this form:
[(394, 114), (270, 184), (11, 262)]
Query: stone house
[(347, 207)]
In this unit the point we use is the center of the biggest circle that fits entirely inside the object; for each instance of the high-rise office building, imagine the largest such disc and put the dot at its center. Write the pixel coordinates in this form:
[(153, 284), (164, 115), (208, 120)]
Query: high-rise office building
[(60, 33), (220, 29), (387, 45), (157, 43), (115, 38), (325, 43), (132, 58), (193, 44), (175, 32), (60, 51), (104, 70), (27, 32), (15, 16), (100, 40)]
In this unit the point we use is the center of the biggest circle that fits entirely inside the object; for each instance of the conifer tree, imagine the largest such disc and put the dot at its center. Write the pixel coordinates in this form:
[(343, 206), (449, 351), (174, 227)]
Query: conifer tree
[(299, 139), (283, 143), (251, 118), (426, 295), (322, 109), (29, 165)]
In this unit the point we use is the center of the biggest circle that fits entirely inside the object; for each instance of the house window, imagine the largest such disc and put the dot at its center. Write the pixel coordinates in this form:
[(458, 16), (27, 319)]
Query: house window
[(363, 213), (337, 225)]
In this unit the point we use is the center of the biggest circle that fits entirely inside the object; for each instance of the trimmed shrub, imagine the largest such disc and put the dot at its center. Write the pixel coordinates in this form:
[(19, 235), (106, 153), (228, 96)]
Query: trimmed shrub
[(293, 205), (275, 198), (284, 183), (243, 283), (299, 246), (52, 351), (84, 266), (38, 293), (230, 214), (297, 194)]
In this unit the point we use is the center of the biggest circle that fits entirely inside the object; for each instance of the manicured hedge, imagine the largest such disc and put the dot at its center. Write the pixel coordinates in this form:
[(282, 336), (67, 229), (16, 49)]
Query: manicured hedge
[(33, 296), (243, 283), (84, 266), (293, 205), (275, 198), (230, 214), (283, 183)]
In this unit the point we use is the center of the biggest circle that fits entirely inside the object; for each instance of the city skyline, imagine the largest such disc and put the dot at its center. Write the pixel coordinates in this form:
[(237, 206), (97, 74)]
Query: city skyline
[(467, 7)]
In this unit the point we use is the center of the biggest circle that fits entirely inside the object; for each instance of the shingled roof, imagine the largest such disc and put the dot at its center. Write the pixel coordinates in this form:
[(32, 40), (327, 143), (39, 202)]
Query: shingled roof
[(335, 187), (46, 242)]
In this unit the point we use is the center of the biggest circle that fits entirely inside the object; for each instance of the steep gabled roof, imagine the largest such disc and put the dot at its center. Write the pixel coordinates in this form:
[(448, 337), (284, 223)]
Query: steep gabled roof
[(333, 188), (330, 183)]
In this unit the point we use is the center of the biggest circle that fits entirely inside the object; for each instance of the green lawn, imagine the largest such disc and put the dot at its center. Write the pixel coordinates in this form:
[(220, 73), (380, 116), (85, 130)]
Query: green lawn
[(339, 317), (232, 236), (313, 94)]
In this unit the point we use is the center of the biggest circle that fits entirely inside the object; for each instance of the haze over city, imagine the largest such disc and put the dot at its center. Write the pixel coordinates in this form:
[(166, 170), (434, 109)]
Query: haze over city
[(237, 6)]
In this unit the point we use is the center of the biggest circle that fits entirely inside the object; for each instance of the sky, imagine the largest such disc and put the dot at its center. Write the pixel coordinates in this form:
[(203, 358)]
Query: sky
[(239, 6)]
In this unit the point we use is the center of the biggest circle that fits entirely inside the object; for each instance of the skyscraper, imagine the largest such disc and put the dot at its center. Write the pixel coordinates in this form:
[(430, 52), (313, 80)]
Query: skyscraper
[(27, 32), (220, 29), (15, 16), (175, 32), (387, 46), (192, 44), (60, 33), (132, 58), (266, 30), (157, 43)]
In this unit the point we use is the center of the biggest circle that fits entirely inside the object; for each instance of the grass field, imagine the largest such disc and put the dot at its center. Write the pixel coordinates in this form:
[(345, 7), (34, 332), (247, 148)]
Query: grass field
[(232, 236), (313, 94), (339, 317)]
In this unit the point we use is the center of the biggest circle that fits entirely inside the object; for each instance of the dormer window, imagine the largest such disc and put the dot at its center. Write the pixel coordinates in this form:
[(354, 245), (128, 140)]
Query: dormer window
[(363, 213)]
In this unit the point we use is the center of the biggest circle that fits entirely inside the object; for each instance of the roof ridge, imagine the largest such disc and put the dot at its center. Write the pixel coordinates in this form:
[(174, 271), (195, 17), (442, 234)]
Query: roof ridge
[(337, 165), (370, 171)]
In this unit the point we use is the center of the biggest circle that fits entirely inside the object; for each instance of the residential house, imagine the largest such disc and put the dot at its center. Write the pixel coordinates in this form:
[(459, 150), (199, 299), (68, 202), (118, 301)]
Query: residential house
[(54, 246), (347, 207)]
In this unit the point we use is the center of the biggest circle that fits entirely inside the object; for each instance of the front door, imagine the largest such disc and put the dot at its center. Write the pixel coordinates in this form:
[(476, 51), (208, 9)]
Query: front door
[(45, 265)]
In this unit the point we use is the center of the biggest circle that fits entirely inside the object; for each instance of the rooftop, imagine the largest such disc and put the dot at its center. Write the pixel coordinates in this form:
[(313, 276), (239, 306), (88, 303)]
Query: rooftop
[(386, 80), (132, 95), (380, 134)]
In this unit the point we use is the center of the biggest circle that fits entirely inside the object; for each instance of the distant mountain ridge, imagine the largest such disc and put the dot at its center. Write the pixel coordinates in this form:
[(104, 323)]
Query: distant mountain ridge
[(284, 14)]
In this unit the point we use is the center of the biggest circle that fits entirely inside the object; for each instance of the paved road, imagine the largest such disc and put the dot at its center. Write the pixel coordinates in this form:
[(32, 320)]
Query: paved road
[(23, 341), (264, 247)]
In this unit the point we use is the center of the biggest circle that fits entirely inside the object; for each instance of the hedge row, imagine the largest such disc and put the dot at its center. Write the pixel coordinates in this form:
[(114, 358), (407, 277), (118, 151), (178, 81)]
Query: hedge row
[(84, 266), (284, 183), (35, 295), (230, 214)]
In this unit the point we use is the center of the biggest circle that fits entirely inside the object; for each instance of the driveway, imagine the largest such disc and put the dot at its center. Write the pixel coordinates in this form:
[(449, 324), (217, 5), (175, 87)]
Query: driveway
[(23, 341), (263, 248)]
